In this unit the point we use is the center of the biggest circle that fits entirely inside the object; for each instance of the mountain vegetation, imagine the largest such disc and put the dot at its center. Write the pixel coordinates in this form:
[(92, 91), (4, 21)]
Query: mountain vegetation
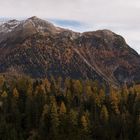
[(37, 48), (71, 109)]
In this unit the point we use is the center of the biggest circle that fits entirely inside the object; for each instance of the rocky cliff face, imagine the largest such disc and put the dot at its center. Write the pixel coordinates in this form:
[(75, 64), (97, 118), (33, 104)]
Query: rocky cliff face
[(37, 48)]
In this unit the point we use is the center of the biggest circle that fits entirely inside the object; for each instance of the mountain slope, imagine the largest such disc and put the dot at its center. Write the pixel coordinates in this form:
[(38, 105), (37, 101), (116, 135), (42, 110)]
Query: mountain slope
[(37, 48)]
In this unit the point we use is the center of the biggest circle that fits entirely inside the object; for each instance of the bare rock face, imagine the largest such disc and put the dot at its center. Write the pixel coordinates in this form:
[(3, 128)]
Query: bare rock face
[(37, 48)]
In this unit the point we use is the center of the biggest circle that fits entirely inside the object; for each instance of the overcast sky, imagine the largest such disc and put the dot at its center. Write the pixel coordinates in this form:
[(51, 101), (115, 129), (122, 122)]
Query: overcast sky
[(120, 16)]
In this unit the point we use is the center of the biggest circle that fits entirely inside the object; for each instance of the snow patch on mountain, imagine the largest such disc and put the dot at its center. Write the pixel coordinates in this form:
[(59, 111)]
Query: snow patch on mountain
[(8, 26)]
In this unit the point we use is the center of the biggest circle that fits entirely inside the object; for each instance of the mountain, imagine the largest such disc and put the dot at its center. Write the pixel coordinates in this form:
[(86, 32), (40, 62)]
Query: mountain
[(37, 48)]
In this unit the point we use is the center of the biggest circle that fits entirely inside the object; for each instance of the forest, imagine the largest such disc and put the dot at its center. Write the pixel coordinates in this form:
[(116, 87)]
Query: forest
[(68, 109)]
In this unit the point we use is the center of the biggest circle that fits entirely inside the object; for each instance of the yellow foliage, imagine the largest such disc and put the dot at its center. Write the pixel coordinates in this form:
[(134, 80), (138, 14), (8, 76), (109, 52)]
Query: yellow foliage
[(47, 85), (15, 93), (84, 122), (63, 108), (88, 91), (114, 100), (78, 87), (104, 114), (4, 94)]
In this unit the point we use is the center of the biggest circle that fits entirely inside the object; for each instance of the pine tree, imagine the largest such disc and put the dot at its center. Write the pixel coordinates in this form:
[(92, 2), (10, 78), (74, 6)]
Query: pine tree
[(102, 96), (104, 115), (4, 95), (30, 109), (73, 118), (77, 87), (15, 109), (114, 101), (54, 119), (84, 123), (124, 94), (63, 109), (39, 101), (4, 102), (88, 91), (15, 93), (85, 130), (44, 129), (2, 79), (47, 85)]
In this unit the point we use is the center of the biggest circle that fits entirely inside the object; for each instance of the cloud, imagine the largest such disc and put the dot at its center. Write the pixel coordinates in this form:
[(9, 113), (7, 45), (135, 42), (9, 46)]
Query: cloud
[(121, 16)]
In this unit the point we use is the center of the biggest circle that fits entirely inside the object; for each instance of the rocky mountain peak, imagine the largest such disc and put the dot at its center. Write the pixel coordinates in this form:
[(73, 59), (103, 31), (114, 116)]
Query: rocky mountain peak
[(33, 17), (9, 26)]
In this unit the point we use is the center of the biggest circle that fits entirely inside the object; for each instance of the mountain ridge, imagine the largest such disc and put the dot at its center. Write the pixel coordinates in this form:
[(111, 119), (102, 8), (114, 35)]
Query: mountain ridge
[(37, 48)]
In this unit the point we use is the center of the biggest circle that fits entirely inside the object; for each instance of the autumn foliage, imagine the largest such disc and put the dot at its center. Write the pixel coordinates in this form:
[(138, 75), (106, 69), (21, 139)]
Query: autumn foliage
[(54, 109)]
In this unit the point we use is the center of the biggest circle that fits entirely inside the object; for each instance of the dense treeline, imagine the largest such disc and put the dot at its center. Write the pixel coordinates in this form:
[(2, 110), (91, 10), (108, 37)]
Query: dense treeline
[(70, 110)]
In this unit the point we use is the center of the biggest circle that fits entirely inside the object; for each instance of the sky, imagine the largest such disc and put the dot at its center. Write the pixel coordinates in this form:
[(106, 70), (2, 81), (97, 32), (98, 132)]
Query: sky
[(120, 16)]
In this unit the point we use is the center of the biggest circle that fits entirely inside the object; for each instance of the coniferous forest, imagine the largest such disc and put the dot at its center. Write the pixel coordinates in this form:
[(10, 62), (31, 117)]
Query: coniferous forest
[(69, 109)]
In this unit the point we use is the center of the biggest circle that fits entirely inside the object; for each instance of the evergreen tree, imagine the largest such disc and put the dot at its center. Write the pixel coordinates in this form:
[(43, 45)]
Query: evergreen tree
[(104, 115), (114, 101), (54, 119), (63, 109), (44, 129), (15, 110), (72, 110), (85, 130)]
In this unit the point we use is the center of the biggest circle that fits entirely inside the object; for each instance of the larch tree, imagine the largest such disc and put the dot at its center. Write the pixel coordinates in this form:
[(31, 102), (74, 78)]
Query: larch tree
[(63, 109), (104, 115), (54, 118)]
